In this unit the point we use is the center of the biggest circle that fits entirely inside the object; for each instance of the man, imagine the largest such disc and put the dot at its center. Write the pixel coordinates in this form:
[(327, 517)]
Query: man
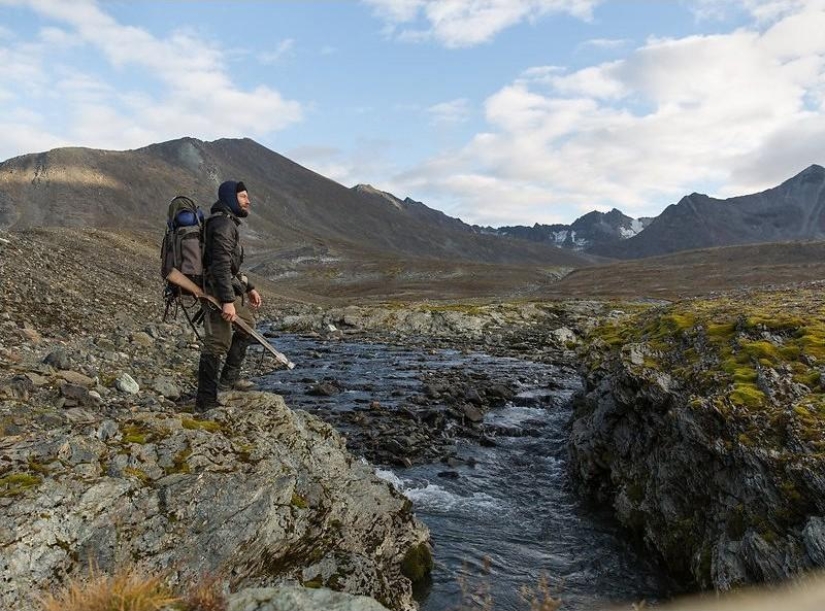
[(222, 259)]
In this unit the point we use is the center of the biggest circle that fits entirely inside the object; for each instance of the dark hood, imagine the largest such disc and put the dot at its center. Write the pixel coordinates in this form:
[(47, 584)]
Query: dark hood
[(228, 197)]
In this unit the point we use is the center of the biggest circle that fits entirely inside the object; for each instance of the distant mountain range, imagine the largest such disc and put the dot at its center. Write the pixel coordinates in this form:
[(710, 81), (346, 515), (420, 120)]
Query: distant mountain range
[(593, 230), (300, 217), (793, 211)]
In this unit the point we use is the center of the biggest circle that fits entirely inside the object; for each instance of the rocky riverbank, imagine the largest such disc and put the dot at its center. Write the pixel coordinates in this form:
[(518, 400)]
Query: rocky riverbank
[(425, 423), (101, 461), (703, 425)]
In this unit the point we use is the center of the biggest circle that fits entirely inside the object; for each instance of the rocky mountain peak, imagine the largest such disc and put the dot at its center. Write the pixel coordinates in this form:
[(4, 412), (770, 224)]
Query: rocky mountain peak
[(366, 189)]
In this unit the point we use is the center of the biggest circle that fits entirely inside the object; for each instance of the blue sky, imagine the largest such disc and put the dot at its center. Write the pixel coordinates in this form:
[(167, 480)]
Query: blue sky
[(495, 111)]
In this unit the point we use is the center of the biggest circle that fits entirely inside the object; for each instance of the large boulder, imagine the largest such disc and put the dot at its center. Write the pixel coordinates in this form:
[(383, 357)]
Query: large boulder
[(701, 425), (255, 492)]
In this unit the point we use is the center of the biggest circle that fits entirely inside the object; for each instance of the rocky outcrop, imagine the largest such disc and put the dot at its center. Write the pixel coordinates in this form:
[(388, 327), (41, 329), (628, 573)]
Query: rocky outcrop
[(558, 325), (299, 599), (701, 426), (102, 461), (256, 492)]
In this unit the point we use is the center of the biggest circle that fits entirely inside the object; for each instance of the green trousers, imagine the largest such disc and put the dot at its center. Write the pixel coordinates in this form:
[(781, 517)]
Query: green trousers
[(218, 332)]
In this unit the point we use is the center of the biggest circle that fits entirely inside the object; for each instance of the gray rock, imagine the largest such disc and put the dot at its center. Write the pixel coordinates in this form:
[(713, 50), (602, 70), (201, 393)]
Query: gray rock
[(472, 413), (269, 492), (295, 598), (58, 359), (74, 377), (562, 336), (107, 430), (20, 388), (712, 504), (166, 387), (76, 395), (142, 338), (813, 538), (126, 384)]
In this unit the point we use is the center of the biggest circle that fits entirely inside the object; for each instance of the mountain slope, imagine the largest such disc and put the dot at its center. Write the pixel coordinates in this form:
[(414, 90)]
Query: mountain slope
[(795, 210), (295, 213)]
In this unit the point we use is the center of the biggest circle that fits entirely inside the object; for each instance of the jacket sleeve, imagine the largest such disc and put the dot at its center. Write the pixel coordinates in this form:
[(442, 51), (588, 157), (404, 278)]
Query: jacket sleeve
[(221, 243)]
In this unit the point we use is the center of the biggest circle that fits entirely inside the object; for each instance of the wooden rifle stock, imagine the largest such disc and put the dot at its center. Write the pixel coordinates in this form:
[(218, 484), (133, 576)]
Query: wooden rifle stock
[(179, 279)]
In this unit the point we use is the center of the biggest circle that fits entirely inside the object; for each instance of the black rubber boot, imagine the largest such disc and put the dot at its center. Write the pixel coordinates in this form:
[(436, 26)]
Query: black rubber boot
[(207, 397), (234, 360)]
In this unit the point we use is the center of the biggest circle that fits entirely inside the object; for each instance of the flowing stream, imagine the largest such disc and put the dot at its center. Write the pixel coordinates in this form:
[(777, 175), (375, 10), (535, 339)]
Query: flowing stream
[(503, 517)]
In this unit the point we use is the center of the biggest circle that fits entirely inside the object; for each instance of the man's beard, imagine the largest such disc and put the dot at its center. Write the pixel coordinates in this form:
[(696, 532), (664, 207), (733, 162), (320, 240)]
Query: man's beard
[(242, 212)]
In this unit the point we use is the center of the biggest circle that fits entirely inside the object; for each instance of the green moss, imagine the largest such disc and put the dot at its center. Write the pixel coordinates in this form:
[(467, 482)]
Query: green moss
[(810, 378), (417, 562), (756, 350), (180, 462), (813, 344), (720, 331), (201, 425), (650, 363), (314, 583), (244, 451), (461, 308), (744, 375), (714, 348), (746, 395), (745, 440), (17, 483), (134, 432), (37, 467), (299, 501)]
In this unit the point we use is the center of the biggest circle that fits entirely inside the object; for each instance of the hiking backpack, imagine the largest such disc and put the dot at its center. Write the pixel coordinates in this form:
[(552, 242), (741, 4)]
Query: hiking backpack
[(182, 248)]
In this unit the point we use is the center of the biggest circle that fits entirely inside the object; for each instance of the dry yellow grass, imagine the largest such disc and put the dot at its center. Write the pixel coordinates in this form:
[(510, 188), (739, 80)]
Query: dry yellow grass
[(206, 595), (128, 590)]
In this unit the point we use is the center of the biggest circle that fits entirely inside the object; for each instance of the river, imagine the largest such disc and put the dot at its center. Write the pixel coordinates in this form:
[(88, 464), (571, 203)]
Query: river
[(503, 515)]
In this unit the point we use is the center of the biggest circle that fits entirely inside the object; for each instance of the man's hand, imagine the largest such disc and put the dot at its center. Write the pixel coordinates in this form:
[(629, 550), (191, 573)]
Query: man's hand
[(254, 299), (228, 312)]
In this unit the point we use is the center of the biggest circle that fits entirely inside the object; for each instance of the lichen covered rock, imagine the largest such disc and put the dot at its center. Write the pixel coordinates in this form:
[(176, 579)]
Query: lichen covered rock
[(703, 425), (255, 492)]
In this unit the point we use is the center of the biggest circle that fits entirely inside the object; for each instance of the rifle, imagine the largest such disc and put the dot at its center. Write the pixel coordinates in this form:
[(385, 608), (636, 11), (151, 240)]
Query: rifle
[(177, 278)]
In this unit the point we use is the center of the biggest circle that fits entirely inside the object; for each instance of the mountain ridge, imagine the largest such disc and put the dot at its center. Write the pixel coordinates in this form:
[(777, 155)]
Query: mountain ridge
[(792, 211), (291, 204)]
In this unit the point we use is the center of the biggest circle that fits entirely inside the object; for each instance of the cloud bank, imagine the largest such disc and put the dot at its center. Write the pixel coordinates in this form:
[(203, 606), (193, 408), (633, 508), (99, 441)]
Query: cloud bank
[(464, 23), (149, 90), (735, 113)]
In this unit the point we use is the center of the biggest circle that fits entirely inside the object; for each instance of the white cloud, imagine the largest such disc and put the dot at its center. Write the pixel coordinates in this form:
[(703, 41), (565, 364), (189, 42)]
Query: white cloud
[(192, 92), (366, 161), (464, 23), (454, 111), (640, 133), (604, 43), (764, 11), (282, 50)]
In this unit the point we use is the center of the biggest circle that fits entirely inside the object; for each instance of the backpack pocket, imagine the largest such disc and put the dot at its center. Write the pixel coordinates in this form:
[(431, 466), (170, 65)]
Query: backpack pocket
[(189, 241)]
